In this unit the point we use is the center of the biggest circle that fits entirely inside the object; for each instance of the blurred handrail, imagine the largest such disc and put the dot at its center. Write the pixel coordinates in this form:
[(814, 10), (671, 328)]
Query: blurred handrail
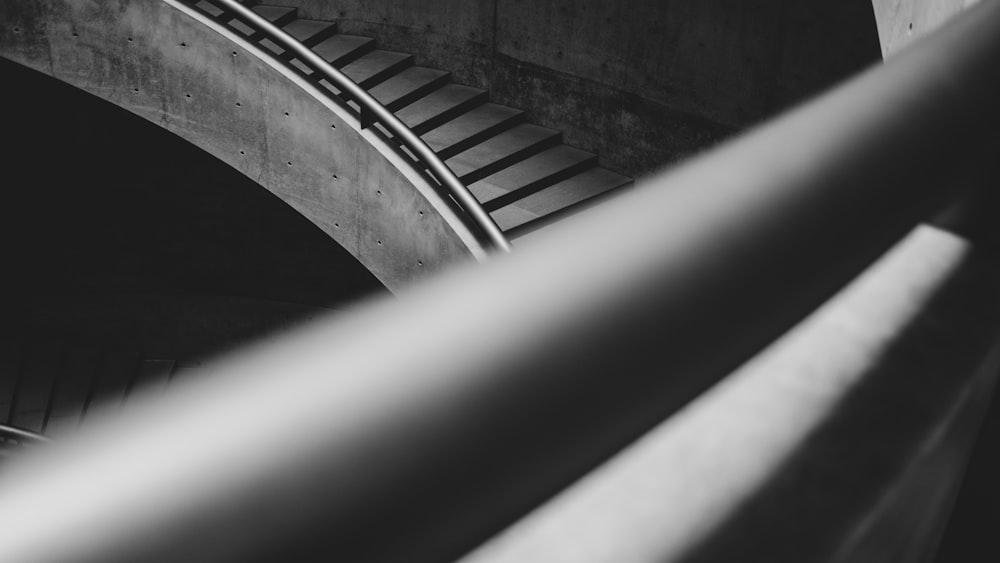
[(21, 435), (412, 429), (371, 112)]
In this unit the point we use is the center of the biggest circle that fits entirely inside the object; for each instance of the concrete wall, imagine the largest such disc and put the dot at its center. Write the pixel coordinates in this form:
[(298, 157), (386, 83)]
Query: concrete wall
[(902, 21), (160, 62), (642, 85), (71, 223)]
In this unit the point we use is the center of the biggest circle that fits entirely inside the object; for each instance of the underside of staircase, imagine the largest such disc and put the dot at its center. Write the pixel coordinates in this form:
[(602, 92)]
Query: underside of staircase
[(521, 173)]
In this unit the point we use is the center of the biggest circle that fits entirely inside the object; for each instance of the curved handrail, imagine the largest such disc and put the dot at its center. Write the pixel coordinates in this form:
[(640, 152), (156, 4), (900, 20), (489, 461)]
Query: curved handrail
[(601, 328), (369, 105), (693, 488), (21, 435)]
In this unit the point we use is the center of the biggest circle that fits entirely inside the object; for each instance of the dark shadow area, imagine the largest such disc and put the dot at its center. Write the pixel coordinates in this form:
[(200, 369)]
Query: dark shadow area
[(98, 201), (971, 532), (130, 255), (970, 535)]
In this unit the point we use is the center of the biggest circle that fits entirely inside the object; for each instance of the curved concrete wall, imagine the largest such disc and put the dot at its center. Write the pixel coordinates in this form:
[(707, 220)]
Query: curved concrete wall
[(640, 84), (160, 61), (145, 225), (902, 21)]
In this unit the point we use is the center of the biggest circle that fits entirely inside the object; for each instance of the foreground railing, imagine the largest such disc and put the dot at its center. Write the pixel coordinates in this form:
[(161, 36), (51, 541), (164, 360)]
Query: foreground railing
[(374, 112), (414, 429)]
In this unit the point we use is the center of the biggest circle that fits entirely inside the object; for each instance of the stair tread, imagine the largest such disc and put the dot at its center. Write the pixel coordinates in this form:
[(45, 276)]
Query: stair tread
[(409, 80), (37, 379), (533, 172), (336, 48), (310, 31), (437, 103), (273, 13), (558, 197), (469, 124), (373, 63), (495, 149), (10, 369), (112, 381), (79, 370), (154, 374)]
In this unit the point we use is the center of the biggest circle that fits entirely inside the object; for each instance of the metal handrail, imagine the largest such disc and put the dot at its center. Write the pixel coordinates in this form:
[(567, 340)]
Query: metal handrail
[(373, 111), (21, 435)]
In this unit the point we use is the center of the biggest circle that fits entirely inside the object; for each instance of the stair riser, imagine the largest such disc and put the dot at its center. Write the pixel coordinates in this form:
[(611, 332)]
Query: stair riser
[(450, 113), (311, 41), (498, 165), (555, 216), (321, 36), (385, 74), (538, 185), (420, 92), (354, 55), (479, 137)]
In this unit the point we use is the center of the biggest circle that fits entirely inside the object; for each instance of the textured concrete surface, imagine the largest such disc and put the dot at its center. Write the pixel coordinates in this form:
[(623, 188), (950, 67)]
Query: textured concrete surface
[(902, 21), (155, 60), (103, 201), (641, 86)]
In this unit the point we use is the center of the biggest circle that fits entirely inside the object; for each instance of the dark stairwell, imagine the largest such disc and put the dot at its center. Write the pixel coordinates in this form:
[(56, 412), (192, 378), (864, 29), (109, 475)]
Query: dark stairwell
[(130, 255)]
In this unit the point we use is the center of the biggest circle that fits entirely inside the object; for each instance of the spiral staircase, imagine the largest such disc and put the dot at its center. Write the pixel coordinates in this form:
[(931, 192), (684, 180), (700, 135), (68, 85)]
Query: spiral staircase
[(521, 173), (811, 413)]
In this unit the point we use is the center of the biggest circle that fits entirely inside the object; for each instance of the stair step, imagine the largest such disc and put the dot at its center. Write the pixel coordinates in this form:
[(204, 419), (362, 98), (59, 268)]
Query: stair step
[(409, 86), (114, 378), (530, 175), (154, 375), (307, 32), (78, 376), (528, 215), (11, 362), (341, 49), (310, 32), (471, 128), (278, 15), (376, 66), (440, 106), (502, 150)]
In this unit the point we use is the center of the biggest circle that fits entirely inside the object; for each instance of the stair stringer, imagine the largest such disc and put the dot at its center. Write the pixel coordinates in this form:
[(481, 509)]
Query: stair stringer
[(179, 69)]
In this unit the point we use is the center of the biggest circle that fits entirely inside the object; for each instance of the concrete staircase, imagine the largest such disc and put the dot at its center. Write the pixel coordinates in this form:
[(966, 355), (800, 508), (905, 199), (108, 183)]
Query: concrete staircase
[(48, 386), (522, 174)]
